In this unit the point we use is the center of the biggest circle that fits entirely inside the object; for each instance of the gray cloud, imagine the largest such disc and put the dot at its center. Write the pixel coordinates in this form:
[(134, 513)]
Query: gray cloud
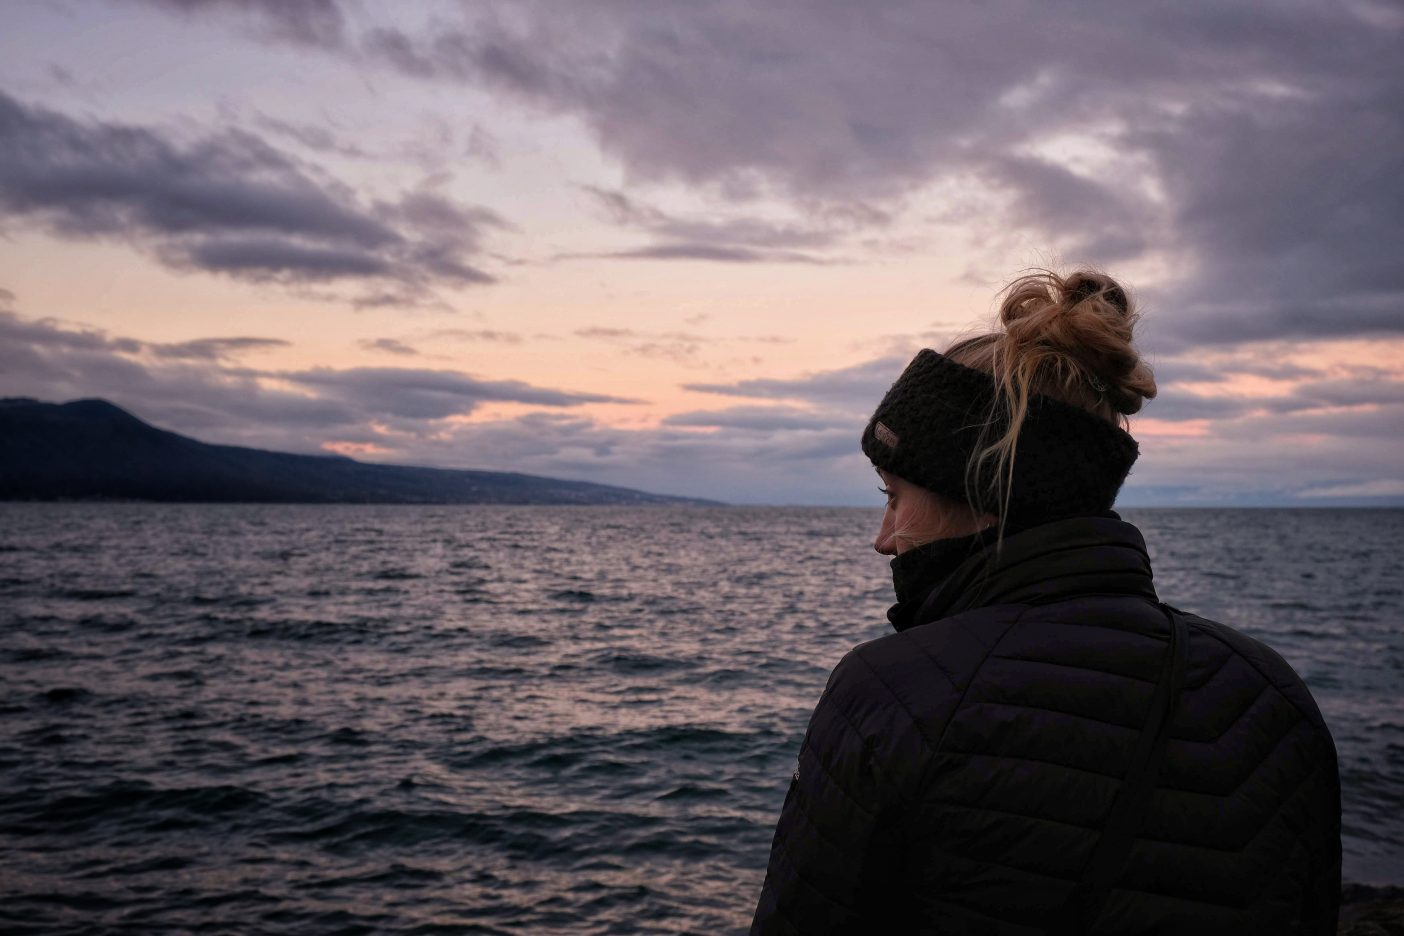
[(207, 398), (682, 347), (275, 258), (1379, 488), (111, 178), (1303, 451), (765, 419), (1088, 217), (1293, 208), (478, 334), (785, 466), (1323, 394), (1362, 429), (721, 240), (1259, 149), (1253, 153), (1177, 405), (710, 253), (315, 137), (21, 334), (762, 453), (435, 146), (1310, 388), (606, 333), (857, 388), (192, 387), (428, 394), (388, 344), (228, 204), (402, 411), (214, 349), (304, 22), (609, 333), (1301, 431), (1259, 362)]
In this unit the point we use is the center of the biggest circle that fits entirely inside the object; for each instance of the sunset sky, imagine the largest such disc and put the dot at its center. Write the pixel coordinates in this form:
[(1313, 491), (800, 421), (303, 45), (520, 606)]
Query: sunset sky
[(685, 247)]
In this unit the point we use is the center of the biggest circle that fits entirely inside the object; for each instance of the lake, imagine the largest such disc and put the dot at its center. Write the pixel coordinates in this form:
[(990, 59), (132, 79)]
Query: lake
[(488, 719)]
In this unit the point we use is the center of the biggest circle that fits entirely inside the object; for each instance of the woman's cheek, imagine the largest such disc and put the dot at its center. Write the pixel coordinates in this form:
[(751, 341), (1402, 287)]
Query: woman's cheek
[(884, 531)]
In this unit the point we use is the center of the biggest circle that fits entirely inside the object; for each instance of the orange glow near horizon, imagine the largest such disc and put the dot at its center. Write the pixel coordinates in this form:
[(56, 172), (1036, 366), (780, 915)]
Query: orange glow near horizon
[(245, 235), (356, 449), (1161, 428)]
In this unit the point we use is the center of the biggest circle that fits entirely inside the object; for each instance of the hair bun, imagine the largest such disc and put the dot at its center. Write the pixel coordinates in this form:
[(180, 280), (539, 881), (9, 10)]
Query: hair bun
[(1086, 284), (1067, 338), (1070, 337)]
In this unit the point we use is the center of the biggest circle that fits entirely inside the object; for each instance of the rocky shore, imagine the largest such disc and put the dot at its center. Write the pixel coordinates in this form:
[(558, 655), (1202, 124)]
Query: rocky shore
[(1371, 911)]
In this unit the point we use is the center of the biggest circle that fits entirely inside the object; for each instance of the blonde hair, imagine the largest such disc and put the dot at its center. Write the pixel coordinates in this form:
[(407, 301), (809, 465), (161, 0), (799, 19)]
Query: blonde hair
[(1066, 337)]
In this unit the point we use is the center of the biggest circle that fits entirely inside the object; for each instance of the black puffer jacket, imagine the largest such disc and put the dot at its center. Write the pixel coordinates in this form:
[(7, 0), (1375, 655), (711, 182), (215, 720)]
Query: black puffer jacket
[(958, 776)]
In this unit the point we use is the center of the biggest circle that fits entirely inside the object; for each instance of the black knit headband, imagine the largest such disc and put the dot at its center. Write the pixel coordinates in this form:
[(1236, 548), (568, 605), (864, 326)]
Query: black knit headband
[(1069, 462)]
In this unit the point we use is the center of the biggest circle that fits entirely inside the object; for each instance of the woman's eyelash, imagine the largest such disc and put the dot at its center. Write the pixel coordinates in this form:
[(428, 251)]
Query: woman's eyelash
[(886, 491)]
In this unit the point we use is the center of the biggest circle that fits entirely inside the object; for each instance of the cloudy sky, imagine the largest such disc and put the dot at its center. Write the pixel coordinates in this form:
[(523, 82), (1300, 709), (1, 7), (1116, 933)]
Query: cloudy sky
[(686, 246)]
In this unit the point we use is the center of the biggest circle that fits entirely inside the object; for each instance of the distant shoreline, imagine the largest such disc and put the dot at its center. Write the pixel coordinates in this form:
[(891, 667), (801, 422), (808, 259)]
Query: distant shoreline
[(690, 503), (93, 450)]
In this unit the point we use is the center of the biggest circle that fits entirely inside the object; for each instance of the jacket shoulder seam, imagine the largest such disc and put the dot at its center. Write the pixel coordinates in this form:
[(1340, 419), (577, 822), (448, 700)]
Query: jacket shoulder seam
[(828, 771), (1315, 721), (911, 716), (808, 818), (795, 869), (1085, 669), (976, 672), (934, 746)]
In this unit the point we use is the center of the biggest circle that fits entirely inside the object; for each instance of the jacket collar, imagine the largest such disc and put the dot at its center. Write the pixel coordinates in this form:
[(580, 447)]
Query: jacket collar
[(1079, 556)]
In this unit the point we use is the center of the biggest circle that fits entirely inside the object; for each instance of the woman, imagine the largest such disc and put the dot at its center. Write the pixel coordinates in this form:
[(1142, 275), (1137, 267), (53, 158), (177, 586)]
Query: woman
[(1043, 746)]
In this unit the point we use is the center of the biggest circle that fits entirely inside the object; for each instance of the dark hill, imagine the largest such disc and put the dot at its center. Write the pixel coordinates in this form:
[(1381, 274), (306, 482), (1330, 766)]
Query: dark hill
[(93, 450)]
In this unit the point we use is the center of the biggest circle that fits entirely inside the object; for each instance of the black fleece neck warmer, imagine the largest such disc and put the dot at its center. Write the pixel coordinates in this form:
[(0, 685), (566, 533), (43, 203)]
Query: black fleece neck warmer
[(1069, 463), (919, 571)]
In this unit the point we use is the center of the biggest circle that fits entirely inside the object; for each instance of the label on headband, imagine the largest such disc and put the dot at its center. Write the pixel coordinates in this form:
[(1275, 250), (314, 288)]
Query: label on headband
[(885, 435)]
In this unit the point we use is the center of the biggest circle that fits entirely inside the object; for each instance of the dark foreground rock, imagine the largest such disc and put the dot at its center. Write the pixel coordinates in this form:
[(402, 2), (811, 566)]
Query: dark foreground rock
[(1371, 911)]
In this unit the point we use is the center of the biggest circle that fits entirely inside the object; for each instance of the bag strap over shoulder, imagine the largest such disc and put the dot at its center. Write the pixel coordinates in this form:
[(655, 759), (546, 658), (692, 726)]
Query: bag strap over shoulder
[(1132, 803)]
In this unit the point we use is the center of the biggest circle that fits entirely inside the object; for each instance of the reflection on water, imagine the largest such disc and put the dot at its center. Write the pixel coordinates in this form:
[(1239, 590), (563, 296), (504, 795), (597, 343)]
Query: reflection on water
[(347, 717)]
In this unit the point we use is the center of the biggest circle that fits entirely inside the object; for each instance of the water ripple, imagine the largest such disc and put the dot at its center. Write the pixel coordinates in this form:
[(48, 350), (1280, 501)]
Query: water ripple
[(426, 719)]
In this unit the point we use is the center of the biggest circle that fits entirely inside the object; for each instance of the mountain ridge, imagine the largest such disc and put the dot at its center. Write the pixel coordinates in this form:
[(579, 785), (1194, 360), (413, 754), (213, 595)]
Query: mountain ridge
[(93, 449)]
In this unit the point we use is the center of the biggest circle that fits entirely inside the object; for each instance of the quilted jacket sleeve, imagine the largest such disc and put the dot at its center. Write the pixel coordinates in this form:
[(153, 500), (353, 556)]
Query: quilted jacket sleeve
[(835, 841)]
